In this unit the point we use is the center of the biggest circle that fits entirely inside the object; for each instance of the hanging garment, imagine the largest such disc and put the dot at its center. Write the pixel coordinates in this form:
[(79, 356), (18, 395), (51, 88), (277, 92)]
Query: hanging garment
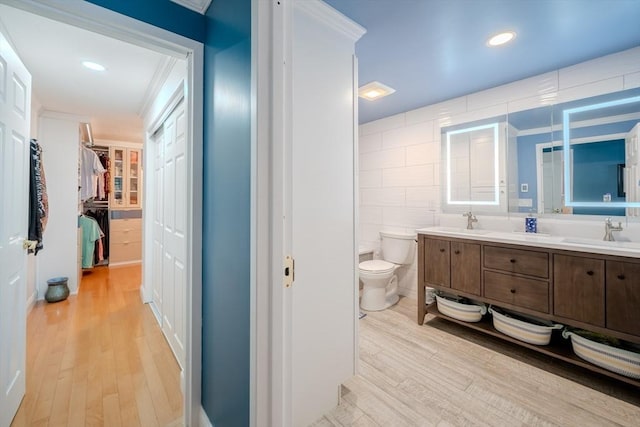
[(102, 218), (38, 200), (90, 233), (90, 168), (106, 163)]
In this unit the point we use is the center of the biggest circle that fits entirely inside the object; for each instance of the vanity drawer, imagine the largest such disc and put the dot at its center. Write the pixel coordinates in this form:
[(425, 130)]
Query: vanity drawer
[(519, 291), (531, 263)]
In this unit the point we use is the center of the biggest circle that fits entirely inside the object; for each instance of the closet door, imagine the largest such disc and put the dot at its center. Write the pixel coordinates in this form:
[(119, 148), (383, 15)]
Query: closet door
[(158, 223), (174, 231)]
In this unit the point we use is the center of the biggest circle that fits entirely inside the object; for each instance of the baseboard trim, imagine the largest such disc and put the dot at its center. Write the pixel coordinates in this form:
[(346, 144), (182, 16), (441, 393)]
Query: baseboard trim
[(204, 420), (124, 264), (31, 302)]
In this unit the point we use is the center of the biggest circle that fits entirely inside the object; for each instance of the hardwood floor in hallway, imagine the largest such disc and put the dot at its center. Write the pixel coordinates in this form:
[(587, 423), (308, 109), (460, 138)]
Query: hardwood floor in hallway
[(99, 359)]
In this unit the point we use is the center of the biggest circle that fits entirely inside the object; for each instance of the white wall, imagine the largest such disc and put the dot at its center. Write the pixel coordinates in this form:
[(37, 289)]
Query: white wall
[(400, 186), (59, 138)]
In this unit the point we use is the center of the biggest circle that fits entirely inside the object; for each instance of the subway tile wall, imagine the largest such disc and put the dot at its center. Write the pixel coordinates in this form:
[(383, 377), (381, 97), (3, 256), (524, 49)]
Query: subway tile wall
[(399, 156)]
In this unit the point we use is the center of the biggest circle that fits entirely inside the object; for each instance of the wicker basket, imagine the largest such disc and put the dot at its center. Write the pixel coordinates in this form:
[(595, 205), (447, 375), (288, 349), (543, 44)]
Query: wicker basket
[(522, 330), (614, 359), (460, 311)]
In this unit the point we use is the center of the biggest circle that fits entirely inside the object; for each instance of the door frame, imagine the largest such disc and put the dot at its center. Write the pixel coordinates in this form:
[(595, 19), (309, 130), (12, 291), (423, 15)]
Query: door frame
[(112, 24)]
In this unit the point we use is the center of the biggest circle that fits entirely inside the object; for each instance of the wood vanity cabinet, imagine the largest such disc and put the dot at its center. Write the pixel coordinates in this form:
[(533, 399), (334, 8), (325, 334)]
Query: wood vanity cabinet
[(465, 267), (437, 270), (585, 290), (578, 291), (517, 277), (452, 264), (623, 297)]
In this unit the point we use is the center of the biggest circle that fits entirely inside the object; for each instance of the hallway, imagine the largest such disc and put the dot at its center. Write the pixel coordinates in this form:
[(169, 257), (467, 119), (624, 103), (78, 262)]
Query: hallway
[(99, 359)]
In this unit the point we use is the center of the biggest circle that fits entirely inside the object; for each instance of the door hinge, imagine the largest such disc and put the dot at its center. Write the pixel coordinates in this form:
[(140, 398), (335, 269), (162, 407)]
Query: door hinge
[(289, 266)]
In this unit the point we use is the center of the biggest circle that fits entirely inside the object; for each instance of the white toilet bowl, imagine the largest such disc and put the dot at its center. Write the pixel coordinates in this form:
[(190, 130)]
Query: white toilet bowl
[(380, 285), (379, 282)]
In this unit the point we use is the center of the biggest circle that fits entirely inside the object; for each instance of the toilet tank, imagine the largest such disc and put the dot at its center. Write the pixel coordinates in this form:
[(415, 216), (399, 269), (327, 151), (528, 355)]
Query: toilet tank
[(398, 248)]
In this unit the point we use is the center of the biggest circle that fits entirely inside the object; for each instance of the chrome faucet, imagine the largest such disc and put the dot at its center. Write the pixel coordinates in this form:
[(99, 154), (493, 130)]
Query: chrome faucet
[(608, 228), (471, 218)]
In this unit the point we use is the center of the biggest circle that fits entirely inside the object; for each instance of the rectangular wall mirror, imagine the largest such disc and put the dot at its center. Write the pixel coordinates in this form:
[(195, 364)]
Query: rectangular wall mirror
[(473, 159), (600, 144)]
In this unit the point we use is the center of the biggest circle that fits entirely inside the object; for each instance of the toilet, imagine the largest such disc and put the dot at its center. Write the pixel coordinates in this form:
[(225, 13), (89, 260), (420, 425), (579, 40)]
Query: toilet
[(380, 284)]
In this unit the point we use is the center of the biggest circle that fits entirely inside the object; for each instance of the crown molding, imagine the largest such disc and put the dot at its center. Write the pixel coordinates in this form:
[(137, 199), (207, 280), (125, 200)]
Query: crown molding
[(199, 6), (325, 13)]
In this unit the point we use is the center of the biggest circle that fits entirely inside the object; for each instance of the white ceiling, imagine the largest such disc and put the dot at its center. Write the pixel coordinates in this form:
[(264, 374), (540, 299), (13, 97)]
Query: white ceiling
[(114, 99)]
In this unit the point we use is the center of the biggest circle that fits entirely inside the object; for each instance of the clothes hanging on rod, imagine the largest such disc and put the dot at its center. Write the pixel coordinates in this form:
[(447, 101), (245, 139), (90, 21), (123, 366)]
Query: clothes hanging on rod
[(91, 233), (38, 200), (101, 215), (90, 170)]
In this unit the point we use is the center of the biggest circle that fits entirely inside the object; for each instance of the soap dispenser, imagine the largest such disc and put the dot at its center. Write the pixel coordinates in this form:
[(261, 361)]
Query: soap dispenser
[(531, 223)]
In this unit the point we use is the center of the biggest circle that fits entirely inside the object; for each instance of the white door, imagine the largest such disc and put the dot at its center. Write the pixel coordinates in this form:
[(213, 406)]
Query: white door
[(174, 245), (158, 224), (321, 218), (15, 107)]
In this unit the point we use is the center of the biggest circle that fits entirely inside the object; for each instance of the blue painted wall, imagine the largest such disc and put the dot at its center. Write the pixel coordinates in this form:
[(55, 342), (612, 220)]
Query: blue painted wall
[(527, 172), (161, 13), (226, 216), (595, 172), (226, 33)]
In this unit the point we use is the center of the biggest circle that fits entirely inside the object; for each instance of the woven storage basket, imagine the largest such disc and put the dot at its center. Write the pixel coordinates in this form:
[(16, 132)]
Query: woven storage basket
[(618, 360), (522, 330), (460, 311)]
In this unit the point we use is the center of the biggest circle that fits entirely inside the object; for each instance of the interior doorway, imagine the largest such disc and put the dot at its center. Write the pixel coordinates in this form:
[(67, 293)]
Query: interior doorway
[(113, 25)]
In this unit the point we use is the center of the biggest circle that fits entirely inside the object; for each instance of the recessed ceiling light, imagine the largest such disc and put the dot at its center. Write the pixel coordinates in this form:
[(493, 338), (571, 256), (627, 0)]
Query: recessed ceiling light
[(374, 90), (502, 38), (93, 66)]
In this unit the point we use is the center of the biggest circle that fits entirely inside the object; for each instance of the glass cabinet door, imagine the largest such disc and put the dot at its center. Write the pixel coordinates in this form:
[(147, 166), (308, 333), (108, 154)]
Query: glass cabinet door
[(118, 176), (133, 189)]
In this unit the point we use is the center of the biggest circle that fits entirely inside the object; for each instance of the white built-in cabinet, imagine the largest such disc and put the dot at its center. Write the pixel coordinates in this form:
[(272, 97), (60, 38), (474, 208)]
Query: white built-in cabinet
[(126, 178), (321, 305)]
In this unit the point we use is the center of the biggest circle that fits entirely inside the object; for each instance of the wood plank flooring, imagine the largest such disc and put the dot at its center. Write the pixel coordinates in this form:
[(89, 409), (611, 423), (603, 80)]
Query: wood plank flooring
[(443, 374), (99, 359)]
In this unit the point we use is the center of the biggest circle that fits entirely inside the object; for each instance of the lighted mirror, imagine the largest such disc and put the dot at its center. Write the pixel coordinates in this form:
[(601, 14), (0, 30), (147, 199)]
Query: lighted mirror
[(600, 154), (472, 157), (536, 168)]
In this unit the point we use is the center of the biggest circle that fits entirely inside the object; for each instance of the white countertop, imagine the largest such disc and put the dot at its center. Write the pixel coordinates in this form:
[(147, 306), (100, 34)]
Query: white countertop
[(628, 249)]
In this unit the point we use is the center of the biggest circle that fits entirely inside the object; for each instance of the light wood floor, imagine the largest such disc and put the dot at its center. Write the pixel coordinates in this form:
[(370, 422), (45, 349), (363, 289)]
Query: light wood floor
[(99, 359), (443, 374)]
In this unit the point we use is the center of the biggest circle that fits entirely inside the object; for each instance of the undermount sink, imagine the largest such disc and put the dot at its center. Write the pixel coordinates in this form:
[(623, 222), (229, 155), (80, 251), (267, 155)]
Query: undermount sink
[(601, 243), (456, 230)]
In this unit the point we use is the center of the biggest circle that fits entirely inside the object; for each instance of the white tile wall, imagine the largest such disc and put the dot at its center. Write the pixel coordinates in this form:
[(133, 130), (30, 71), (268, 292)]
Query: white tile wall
[(400, 155)]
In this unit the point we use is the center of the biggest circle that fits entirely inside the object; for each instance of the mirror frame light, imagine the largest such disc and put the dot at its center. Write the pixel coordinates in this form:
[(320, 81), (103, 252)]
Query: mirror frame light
[(496, 166), (566, 146)]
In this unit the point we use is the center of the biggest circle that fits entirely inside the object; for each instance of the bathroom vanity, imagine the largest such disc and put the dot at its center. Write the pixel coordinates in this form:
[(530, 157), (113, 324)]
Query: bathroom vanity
[(576, 282)]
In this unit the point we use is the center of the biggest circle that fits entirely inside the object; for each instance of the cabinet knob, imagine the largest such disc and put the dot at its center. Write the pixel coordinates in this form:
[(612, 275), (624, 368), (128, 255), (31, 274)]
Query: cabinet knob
[(621, 276), (441, 249), (513, 291), (456, 252), (512, 261), (590, 272)]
